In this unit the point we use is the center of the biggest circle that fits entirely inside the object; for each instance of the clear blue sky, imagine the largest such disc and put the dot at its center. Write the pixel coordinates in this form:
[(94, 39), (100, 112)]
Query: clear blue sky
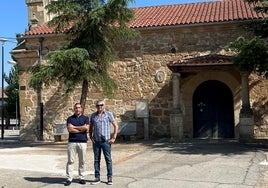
[(13, 19)]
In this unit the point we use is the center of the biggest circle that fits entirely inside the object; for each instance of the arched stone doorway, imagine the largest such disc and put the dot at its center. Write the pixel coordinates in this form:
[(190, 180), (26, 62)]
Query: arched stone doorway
[(213, 111)]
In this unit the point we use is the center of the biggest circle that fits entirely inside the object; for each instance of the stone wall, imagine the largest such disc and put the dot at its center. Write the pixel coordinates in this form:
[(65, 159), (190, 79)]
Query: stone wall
[(140, 72), (37, 14), (259, 103)]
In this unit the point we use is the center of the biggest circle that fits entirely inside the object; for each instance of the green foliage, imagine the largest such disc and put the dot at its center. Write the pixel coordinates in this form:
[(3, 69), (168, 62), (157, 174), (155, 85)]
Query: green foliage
[(252, 54), (12, 91), (258, 27), (92, 27), (70, 67), (260, 5)]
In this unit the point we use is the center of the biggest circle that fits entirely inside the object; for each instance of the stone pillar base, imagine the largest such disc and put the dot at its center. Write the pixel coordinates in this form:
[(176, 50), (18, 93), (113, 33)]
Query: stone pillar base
[(246, 128), (176, 126)]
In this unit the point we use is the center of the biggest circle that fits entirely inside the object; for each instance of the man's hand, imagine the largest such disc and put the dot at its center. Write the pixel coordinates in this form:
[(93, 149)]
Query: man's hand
[(112, 140), (77, 129), (92, 139)]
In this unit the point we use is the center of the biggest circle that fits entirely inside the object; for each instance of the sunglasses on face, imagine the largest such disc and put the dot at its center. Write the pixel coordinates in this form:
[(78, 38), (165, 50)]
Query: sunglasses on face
[(98, 105)]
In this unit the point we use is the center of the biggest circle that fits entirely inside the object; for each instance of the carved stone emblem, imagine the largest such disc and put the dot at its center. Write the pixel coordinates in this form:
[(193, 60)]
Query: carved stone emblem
[(160, 76)]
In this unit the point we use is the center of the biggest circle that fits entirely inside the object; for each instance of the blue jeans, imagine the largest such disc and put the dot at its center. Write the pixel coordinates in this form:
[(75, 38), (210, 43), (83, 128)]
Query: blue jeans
[(105, 146)]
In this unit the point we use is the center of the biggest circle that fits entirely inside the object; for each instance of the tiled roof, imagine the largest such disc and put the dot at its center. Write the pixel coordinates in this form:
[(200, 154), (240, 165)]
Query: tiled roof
[(182, 14), (200, 62), (205, 60), (194, 13), (41, 30)]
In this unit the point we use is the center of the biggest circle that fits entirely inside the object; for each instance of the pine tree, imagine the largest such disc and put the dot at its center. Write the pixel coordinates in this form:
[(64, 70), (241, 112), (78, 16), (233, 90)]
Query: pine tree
[(92, 27), (252, 53), (12, 92)]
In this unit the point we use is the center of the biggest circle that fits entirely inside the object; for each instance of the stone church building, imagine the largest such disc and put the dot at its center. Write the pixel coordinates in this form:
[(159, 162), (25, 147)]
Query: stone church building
[(176, 80)]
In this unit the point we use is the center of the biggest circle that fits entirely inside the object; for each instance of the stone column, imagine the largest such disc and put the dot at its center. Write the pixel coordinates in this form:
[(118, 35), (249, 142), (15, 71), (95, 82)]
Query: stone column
[(246, 121), (176, 119)]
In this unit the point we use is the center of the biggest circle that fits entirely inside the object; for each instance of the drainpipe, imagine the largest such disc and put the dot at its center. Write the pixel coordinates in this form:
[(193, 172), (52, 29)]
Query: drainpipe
[(41, 105)]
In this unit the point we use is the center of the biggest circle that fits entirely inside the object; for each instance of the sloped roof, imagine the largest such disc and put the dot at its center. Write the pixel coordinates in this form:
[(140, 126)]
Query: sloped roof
[(194, 13), (204, 60), (201, 62), (182, 14)]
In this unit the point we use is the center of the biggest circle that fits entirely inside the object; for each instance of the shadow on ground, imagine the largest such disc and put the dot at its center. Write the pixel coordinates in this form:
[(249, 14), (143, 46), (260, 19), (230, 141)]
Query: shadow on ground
[(50, 180)]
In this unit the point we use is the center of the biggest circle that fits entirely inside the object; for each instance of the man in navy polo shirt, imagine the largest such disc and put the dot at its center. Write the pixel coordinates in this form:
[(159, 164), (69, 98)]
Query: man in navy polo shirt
[(77, 125)]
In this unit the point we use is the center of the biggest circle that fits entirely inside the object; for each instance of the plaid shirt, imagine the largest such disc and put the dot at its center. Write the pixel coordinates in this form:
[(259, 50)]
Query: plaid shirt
[(101, 125)]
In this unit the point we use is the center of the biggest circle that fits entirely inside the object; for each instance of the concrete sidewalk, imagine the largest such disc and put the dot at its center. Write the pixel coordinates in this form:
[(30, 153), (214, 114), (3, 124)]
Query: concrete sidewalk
[(141, 164)]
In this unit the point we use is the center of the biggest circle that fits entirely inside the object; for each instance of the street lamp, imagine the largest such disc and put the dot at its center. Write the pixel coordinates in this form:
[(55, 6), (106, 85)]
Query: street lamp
[(14, 63), (2, 40)]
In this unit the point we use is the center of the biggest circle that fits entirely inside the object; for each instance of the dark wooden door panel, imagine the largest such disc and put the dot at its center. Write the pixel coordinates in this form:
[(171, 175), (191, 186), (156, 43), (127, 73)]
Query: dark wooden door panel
[(213, 111)]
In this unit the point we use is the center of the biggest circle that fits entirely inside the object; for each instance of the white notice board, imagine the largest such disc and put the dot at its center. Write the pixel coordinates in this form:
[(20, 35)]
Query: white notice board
[(142, 110)]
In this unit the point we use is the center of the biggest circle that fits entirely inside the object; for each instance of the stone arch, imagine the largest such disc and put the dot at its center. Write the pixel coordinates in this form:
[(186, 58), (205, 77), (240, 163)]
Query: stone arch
[(189, 85)]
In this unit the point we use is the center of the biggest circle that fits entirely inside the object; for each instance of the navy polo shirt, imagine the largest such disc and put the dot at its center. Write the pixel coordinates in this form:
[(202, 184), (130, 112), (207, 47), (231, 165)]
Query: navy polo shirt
[(78, 121)]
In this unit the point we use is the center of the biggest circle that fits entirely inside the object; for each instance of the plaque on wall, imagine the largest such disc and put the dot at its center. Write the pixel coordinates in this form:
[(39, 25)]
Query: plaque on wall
[(160, 76), (142, 110)]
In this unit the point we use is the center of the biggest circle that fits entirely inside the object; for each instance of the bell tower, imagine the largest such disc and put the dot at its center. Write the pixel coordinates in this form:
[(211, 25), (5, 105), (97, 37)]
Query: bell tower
[(37, 14)]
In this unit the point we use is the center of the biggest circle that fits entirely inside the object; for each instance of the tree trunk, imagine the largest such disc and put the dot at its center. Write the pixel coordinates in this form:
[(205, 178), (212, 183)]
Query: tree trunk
[(83, 98)]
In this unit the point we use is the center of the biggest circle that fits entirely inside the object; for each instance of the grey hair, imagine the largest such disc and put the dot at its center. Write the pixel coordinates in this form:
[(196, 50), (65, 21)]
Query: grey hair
[(100, 100)]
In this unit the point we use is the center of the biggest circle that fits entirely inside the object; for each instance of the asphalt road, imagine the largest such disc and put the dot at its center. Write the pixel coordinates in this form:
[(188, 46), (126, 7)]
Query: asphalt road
[(140, 164)]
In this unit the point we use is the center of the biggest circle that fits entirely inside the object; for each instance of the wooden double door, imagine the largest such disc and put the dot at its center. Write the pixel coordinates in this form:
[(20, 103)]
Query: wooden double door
[(213, 111)]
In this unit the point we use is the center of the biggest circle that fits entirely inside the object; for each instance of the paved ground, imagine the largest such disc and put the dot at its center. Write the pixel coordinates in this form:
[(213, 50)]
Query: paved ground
[(139, 164)]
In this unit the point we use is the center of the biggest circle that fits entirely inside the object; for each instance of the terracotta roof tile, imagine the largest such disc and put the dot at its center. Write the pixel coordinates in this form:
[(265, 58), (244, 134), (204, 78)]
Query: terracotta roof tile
[(204, 60), (41, 30), (182, 14), (211, 61)]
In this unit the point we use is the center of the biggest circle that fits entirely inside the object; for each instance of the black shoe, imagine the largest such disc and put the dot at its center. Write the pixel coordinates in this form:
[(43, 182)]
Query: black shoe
[(95, 181), (110, 181), (67, 183), (82, 181)]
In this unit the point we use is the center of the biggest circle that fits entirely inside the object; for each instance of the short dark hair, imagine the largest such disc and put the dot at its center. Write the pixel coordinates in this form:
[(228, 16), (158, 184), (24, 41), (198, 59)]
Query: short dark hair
[(78, 103)]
